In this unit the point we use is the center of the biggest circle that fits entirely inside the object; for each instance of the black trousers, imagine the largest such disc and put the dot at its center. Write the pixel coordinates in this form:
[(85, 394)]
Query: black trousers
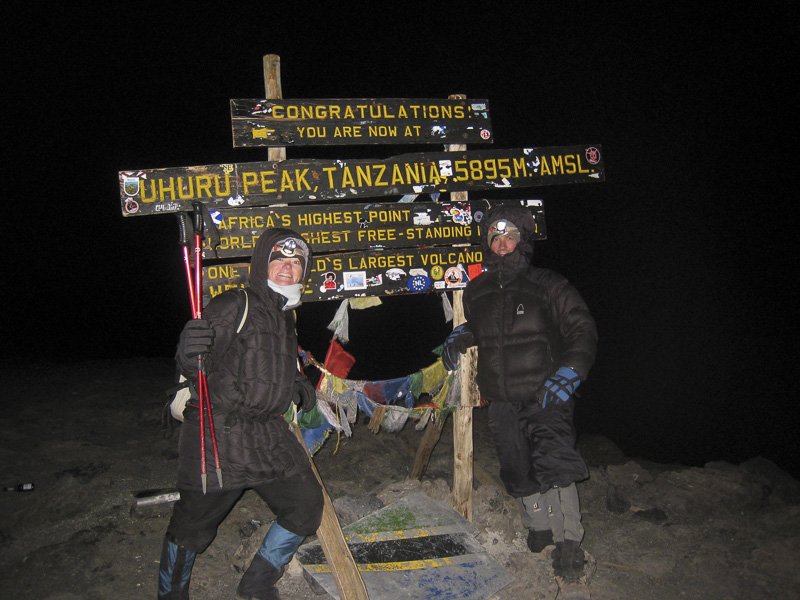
[(296, 502), (536, 446)]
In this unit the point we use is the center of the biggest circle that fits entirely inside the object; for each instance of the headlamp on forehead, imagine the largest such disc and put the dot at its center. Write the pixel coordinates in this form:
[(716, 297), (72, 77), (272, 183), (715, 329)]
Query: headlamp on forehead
[(503, 227), (289, 248)]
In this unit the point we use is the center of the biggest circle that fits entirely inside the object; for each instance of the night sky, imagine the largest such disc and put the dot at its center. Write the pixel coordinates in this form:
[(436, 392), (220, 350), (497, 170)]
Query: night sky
[(685, 254)]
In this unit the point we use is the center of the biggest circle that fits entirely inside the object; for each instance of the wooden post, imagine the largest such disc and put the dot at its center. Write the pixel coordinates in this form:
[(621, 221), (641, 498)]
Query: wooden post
[(462, 419), (334, 545), (429, 440), (273, 91), (331, 537)]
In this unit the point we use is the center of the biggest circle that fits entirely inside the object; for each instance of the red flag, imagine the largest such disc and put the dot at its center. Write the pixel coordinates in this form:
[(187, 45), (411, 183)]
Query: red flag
[(338, 361)]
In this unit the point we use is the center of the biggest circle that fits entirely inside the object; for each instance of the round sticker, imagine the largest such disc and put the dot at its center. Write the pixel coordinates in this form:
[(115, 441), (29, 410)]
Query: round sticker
[(419, 283)]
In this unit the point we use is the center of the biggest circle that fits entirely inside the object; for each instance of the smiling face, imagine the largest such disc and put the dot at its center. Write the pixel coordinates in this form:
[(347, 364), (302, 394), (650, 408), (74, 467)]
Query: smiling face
[(285, 270), (503, 244)]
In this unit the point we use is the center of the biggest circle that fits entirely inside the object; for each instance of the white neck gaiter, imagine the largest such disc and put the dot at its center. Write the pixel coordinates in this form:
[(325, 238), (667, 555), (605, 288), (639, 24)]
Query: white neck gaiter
[(290, 292)]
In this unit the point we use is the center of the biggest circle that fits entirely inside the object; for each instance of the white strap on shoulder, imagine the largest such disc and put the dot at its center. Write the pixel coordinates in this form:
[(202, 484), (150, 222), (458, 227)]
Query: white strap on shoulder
[(246, 308)]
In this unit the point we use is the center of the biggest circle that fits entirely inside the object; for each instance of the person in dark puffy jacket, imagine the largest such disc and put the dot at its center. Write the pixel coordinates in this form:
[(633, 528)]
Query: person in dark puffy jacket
[(253, 378), (536, 342)]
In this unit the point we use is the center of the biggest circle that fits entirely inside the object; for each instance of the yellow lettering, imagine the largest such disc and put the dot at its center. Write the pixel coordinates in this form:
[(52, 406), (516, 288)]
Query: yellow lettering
[(413, 175), (227, 190), (166, 188), (203, 185), (190, 193), (286, 182), (248, 179), (397, 175), (544, 167), (266, 183), (364, 176), (330, 171), (347, 177), (379, 179)]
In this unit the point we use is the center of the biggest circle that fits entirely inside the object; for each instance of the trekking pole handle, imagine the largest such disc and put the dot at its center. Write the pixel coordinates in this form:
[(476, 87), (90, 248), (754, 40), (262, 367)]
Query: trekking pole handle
[(183, 229), (198, 219)]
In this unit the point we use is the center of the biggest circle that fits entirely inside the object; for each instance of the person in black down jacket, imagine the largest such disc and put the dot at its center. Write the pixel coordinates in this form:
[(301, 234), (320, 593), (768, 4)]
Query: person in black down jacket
[(536, 343), (253, 378)]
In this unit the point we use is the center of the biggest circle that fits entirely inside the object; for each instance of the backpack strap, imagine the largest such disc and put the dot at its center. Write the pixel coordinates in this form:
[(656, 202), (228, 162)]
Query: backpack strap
[(244, 311)]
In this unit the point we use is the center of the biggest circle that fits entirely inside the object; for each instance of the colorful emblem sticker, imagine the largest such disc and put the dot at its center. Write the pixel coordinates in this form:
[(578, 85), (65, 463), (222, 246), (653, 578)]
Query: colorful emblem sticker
[(453, 277), (395, 274), (485, 134), (437, 272), (375, 280), (216, 216), (462, 216), (419, 283), (329, 285), (355, 280), (593, 155), (131, 206), (478, 216), (130, 184)]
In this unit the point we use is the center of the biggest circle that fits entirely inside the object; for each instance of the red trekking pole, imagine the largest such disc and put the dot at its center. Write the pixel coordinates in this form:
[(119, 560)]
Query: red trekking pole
[(202, 382), (183, 227)]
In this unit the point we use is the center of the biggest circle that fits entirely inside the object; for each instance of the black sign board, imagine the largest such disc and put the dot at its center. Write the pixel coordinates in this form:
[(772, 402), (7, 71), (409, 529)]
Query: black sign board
[(368, 273), (359, 121), (168, 190), (337, 227)]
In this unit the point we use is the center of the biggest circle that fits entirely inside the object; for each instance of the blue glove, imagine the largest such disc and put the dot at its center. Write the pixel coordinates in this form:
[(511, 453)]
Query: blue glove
[(560, 387), (455, 345)]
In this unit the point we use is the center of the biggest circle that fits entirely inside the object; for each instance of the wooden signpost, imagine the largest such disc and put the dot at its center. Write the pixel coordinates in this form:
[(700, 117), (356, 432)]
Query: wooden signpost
[(363, 249), (156, 191), (359, 121), (337, 227)]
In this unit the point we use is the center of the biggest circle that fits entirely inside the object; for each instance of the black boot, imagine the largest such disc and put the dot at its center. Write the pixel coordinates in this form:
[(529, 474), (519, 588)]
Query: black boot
[(539, 540), (258, 582), (175, 571), (568, 559)]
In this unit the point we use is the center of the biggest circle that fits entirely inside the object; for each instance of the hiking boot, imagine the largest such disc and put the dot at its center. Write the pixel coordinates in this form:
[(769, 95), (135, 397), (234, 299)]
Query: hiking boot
[(568, 559), (539, 540), (572, 589), (258, 582)]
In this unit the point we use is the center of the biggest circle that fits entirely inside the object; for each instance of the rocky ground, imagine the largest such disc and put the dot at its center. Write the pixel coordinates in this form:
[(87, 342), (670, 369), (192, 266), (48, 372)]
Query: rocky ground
[(88, 436)]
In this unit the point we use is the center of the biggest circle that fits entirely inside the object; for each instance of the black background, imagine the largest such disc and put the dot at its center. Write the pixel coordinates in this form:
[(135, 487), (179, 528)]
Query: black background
[(685, 254)]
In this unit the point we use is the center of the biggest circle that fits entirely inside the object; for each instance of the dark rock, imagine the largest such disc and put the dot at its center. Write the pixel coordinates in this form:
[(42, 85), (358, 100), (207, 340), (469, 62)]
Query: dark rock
[(616, 502)]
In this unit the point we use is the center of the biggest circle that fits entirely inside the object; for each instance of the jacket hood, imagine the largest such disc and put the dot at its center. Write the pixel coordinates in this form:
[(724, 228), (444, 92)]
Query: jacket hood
[(259, 262), (520, 258)]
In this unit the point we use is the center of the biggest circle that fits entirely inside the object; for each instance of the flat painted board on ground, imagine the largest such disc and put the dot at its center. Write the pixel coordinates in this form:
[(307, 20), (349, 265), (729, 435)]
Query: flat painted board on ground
[(157, 191), (341, 122), (415, 548), (388, 272), (337, 227)]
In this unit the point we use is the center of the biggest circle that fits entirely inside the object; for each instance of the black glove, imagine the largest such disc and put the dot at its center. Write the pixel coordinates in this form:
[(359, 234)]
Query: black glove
[(197, 338), (455, 345), (305, 396)]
